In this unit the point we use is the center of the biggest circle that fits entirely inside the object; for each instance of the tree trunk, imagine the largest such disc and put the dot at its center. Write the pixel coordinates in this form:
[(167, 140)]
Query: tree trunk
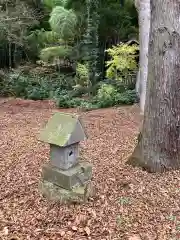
[(143, 8), (158, 148)]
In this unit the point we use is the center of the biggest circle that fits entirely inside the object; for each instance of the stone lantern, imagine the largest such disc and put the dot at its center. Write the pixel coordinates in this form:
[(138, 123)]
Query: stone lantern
[(64, 177)]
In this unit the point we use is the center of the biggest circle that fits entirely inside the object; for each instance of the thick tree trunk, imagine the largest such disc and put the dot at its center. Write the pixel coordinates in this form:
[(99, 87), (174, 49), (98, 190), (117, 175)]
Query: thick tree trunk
[(143, 8), (159, 145)]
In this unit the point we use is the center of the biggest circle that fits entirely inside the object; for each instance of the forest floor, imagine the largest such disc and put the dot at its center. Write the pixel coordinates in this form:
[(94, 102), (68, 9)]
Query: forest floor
[(128, 204)]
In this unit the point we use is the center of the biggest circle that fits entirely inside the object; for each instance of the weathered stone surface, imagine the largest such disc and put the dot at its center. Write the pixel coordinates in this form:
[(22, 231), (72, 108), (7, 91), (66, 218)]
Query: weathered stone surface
[(68, 179), (64, 157), (56, 193), (62, 130)]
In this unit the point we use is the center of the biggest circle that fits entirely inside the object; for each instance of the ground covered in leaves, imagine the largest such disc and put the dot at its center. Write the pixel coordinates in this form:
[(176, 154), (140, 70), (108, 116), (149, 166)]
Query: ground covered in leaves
[(128, 204)]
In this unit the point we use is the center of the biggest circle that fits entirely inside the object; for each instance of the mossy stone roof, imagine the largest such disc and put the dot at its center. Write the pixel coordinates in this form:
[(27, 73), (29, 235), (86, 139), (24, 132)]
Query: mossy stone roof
[(63, 129)]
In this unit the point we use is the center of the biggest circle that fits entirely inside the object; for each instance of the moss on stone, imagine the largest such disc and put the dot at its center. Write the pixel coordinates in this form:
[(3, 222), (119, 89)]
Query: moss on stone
[(58, 194)]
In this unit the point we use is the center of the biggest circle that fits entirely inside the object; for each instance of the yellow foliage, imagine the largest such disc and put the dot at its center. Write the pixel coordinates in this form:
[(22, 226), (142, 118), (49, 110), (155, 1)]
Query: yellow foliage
[(123, 60)]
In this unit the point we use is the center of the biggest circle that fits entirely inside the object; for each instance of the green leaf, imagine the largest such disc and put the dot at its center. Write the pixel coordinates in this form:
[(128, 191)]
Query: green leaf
[(53, 3), (63, 22), (124, 200)]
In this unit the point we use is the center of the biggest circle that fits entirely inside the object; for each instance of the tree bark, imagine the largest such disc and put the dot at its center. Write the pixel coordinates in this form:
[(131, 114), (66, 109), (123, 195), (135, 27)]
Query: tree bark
[(143, 8), (158, 148)]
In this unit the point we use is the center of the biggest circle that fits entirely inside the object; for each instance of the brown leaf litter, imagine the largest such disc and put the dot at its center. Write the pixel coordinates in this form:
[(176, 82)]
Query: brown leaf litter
[(129, 203)]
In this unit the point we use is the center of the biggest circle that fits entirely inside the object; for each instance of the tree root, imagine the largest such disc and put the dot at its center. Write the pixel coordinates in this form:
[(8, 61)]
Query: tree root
[(136, 159)]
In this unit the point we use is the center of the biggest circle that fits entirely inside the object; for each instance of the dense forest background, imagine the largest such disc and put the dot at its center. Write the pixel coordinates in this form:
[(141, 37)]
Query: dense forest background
[(79, 53)]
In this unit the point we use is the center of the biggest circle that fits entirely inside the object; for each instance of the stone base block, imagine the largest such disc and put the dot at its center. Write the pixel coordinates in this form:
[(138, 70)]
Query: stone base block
[(68, 179), (55, 193)]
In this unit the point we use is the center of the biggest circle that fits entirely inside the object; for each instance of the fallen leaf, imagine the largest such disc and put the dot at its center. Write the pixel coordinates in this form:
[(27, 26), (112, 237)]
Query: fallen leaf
[(24, 210), (69, 233), (14, 238), (5, 231), (93, 213), (62, 233), (102, 197), (87, 230), (89, 222), (112, 179), (80, 230), (74, 228), (79, 219), (134, 237)]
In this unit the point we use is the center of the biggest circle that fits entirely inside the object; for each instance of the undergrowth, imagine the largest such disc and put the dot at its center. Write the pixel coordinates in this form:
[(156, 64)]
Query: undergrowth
[(59, 88)]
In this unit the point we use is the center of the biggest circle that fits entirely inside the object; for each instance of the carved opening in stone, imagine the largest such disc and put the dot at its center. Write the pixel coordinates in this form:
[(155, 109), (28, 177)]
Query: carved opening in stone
[(70, 153)]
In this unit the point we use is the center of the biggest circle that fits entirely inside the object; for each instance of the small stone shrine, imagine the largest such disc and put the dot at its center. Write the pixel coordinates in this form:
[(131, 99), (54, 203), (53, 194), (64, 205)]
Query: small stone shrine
[(64, 178)]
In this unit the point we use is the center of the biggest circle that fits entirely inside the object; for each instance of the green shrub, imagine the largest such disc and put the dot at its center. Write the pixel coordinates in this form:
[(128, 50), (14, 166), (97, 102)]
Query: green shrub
[(51, 53), (123, 60), (35, 87), (63, 101), (107, 97), (106, 92), (128, 97), (89, 105), (37, 93), (82, 77), (59, 87), (78, 91), (12, 87)]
